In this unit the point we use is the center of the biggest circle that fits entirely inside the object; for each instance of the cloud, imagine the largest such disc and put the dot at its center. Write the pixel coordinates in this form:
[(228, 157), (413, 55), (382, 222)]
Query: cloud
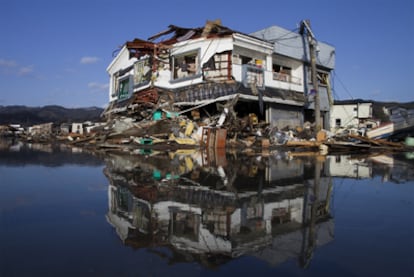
[(25, 70), (7, 63), (11, 67), (89, 60), (95, 87)]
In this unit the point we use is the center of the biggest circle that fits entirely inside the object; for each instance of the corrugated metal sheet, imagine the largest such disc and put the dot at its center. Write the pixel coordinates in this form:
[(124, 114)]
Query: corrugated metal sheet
[(293, 45)]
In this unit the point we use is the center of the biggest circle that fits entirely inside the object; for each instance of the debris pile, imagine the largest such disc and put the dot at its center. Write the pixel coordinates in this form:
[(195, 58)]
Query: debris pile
[(223, 130), (171, 130)]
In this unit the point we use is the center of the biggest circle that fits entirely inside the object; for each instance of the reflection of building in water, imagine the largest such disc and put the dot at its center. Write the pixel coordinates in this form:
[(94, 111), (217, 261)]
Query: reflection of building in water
[(225, 211), (348, 166), (396, 168)]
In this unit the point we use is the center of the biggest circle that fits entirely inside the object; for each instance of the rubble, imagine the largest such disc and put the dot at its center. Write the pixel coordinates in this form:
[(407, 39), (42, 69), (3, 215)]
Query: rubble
[(224, 131)]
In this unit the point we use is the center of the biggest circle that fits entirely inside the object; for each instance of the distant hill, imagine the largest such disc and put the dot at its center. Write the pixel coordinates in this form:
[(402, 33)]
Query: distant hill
[(28, 116)]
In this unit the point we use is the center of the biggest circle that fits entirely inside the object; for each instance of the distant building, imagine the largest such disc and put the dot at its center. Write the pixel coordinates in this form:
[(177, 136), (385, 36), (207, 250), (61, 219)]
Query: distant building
[(65, 128), (77, 128), (401, 117), (352, 115), (41, 129), (345, 166), (90, 126)]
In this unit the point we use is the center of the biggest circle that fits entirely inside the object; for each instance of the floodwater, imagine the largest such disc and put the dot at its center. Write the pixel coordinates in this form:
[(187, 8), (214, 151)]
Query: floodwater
[(64, 212)]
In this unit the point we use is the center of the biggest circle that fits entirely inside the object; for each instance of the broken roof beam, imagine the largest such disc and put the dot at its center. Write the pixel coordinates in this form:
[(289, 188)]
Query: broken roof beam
[(139, 44), (211, 28), (179, 32), (138, 48)]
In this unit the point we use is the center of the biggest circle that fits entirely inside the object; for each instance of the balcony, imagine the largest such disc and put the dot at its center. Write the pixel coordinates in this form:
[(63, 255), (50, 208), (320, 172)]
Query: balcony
[(253, 75), (287, 78)]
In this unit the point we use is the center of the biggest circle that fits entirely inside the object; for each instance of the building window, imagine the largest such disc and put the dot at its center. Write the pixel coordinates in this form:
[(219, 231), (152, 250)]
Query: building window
[(218, 67), (338, 122), (142, 72), (253, 76), (123, 89), (282, 73), (323, 78), (185, 65), (252, 72)]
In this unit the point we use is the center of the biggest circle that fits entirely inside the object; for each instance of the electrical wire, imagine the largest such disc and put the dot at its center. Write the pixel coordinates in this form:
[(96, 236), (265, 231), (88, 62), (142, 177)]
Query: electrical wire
[(282, 37), (290, 46), (342, 84)]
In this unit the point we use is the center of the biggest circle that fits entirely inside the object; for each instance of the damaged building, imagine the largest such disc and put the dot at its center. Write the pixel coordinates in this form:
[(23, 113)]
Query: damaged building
[(216, 76)]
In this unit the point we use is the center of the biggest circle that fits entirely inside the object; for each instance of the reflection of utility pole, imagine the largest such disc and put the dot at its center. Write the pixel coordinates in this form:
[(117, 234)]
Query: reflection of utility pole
[(314, 208), (309, 243), (312, 51)]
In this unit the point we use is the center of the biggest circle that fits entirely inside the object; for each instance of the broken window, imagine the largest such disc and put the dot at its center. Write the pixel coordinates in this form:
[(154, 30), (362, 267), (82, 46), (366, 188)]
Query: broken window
[(280, 216), (218, 67), (323, 78), (142, 72), (253, 76), (185, 65), (338, 122), (282, 73), (123, 88), (184, 224), (246, 60), (253, 72)]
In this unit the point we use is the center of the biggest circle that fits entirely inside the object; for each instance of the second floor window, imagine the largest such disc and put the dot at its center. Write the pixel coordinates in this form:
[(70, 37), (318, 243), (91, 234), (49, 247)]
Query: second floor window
[(282, 73), (142, 72), (185, 65)]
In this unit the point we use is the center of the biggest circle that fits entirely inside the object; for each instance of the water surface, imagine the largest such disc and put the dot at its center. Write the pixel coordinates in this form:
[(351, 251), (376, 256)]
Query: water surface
[(64, 212)]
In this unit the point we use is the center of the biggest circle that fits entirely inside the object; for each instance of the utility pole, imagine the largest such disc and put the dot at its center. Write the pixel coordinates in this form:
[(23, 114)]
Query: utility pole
[(312, 51)]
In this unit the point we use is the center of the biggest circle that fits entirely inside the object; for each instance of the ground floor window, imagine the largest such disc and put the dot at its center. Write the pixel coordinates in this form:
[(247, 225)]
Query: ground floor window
[(123, 89), (338, 122)]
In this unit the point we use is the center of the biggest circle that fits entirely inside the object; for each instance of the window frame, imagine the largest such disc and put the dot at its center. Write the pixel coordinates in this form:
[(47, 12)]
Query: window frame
[(188, 56), (123, 96)]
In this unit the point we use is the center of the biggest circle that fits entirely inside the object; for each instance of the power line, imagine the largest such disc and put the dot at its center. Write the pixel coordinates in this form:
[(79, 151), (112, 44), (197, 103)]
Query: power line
[(289, 32), (342, 84)]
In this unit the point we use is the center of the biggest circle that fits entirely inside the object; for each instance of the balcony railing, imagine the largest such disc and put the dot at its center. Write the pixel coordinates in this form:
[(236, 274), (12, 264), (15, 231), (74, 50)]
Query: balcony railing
[(253, 75), (283, 77)]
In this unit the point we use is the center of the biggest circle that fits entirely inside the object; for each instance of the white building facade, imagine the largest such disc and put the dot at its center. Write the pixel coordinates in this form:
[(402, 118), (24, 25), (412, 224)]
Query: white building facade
[(351, 115)]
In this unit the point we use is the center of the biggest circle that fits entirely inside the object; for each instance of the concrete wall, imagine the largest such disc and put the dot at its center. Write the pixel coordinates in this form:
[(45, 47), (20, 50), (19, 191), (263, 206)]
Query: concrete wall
[(284, 116), (350, 114)]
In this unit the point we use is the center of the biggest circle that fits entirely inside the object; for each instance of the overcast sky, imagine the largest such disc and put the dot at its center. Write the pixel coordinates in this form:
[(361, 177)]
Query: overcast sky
[(57, 51)]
